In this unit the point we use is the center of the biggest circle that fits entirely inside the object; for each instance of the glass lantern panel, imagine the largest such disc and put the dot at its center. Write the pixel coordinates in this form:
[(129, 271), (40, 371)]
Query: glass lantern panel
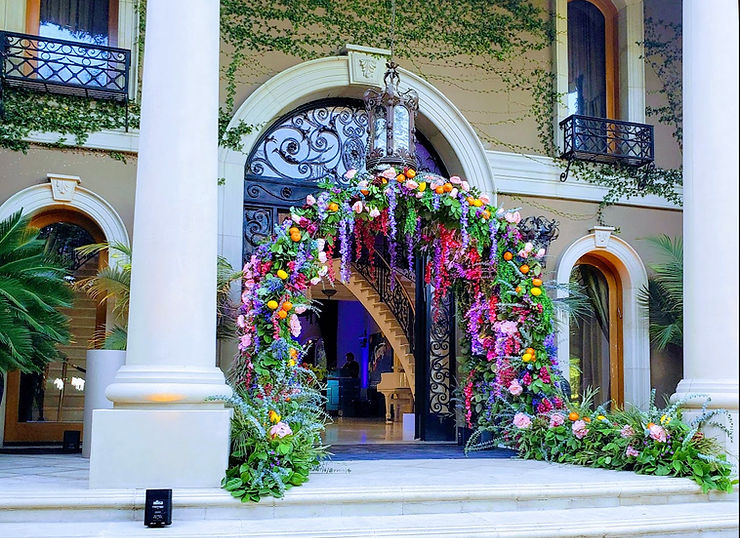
[(401, 128), (381, 136)]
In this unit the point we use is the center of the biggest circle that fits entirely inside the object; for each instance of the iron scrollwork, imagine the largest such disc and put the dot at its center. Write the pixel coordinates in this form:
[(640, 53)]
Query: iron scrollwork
[(440, 359)]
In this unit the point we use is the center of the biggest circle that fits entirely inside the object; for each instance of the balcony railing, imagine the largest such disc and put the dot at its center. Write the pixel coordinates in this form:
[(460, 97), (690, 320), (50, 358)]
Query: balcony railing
[(64, 67), (606, 141)]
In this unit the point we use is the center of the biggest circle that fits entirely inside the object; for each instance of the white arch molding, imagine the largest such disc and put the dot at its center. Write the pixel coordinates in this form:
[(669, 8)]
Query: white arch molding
[(442, 123), (636, 345), (37, 198)]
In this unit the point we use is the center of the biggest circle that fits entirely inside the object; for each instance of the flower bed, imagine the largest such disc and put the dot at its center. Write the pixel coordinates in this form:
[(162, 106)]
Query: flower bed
[(654, 442)]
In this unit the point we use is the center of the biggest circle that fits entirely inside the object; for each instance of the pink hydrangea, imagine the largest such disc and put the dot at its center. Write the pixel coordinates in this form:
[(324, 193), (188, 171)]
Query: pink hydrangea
[(627, 431), (295, 326), (579, 429), (515, 388), (658, 433), (631, 452), (280, 430), (522, 421), (557, 419)]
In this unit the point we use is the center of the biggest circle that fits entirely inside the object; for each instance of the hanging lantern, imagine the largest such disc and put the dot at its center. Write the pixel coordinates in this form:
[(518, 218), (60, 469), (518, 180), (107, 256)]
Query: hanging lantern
[(391, 117)]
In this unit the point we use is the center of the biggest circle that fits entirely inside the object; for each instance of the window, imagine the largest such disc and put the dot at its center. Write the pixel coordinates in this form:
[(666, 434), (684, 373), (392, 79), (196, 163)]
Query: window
[(94, 22), (592, 63)]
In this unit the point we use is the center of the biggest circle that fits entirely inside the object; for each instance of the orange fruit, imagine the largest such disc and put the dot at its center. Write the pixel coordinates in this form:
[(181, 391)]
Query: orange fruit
[(287, 306), (410, 173), (650, 425), (524, 268), (293, 352), (586, 419), (530, 350), (293, 230), (573, 416), (333, 207), (486, 214), (536, 282), (296, 237), (440, 190), (518, 289), (470, 199), (447, 187), (282, 314), (365, 191), (400, 178), (508, 256)]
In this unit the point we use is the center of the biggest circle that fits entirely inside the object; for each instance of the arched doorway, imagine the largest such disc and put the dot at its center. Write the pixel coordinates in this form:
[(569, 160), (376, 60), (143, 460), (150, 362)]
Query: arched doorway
[(322, 140), (41, 407), (596, 343)]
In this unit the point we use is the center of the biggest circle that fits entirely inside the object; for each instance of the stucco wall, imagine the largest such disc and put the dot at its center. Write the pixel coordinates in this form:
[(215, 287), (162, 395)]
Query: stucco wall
[(113, 180)]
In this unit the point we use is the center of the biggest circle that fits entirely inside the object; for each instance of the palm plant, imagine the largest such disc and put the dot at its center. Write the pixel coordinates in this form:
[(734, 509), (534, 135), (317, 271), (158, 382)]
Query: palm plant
[(111, 283), (32, 289), (663, 296)]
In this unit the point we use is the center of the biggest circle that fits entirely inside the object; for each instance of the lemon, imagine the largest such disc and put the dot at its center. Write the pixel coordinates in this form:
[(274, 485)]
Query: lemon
[(272, 305), (422, 186), (526, 357), (536, 292), (282, 274)]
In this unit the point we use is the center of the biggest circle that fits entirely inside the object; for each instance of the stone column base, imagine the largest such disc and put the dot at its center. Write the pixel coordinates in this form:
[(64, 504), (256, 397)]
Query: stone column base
[(724, 395), (159, 448)]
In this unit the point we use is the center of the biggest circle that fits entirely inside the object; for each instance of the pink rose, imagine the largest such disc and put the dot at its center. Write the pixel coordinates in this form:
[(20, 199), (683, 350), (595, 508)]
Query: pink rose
[(375, 212), (658, 433), (453, 192), (515, 388), (245, 341), (540, 254), (240, 320), (411, 184), (362, 184), (322, 257), (349, 174), (280, 430), (357, 207), (522, 421), (300, 309), (579, 429), (514, 217), (310, 200), (320, 244), (631, 452), (455, 180), (419, 195), (465, 186), (557, 419), (528, 247), (295, 326), (523, 254), (627, 431), (485, 199), (389, 173)]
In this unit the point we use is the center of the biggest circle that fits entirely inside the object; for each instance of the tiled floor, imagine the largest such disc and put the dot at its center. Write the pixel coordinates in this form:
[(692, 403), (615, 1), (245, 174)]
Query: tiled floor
[(22, 472), (354, 431)]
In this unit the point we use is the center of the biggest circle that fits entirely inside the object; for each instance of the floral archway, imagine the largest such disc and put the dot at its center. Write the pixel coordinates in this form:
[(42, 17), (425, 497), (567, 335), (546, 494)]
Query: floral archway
[(508, 359)]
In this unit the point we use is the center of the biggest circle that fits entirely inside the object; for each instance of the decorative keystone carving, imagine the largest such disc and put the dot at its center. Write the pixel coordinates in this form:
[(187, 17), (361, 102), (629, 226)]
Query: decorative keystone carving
[(366, 65), (63, 187), (602, 234)]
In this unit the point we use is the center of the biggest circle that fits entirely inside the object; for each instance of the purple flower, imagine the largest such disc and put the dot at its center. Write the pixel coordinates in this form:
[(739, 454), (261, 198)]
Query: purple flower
[(631, 452), (627, 431)]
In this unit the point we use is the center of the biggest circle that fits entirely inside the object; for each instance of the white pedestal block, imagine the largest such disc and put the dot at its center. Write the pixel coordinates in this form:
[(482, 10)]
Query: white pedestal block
[(409, 426), (159, 448), (101, 366)]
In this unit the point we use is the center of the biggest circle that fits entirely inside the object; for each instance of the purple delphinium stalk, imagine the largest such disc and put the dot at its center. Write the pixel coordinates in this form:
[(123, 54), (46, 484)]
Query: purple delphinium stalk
[(322, 204), (493, 230), (465, 207), (390, 193), (344, 249), (436, 200)]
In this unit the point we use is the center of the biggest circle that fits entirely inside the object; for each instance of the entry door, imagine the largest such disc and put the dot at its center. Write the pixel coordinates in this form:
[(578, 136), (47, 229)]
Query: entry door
[(435, 364)]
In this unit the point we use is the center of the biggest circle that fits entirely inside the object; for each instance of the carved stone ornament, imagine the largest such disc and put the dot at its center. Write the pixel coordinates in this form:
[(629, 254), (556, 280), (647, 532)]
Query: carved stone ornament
[(366, 65), (63, 187), (602, 234)]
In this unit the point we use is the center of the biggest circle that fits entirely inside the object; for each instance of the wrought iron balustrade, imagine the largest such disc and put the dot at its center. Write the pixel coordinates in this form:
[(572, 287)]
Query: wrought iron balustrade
[(64, 67), (606, 141), (379, 276)]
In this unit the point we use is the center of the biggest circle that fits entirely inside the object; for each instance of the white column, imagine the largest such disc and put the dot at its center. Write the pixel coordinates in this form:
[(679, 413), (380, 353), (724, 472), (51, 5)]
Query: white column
[(710, 160), (161, 432)]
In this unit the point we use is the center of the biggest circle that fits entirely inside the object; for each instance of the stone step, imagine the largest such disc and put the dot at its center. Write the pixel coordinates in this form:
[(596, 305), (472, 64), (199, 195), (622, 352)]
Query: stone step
[(678, 520), (344, 501)]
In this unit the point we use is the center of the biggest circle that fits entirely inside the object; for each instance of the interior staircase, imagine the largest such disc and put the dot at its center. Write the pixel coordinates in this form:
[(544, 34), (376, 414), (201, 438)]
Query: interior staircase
[(371, 300)]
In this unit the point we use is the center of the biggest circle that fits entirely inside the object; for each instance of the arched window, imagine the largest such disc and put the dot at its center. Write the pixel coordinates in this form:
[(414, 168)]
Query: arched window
[(596, 341), (322, 139), (592, 60)]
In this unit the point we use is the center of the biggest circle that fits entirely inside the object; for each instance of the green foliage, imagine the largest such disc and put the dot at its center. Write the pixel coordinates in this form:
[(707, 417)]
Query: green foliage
[(111, 283), (656, 442), (663, 296), (74, 118), (32, 289), (226, 276), (264, 463)]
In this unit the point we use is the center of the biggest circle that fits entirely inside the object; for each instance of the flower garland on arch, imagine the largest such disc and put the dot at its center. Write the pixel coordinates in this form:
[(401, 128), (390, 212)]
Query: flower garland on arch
[(508, 357)]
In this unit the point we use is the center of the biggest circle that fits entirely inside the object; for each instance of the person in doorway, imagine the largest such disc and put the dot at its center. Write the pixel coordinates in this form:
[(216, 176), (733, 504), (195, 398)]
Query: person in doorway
[(351, 367)]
